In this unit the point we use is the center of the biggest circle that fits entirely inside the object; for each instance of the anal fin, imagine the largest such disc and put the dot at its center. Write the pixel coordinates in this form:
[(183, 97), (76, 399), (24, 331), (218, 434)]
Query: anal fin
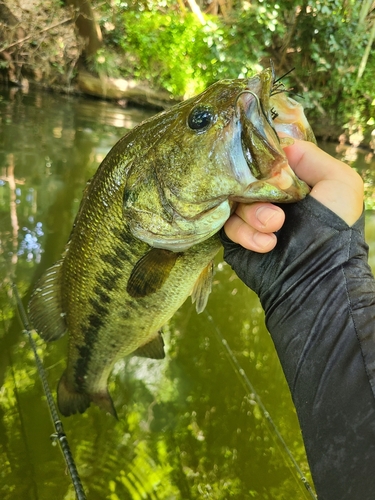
[(202, 288), (153, 349), (45, 306)]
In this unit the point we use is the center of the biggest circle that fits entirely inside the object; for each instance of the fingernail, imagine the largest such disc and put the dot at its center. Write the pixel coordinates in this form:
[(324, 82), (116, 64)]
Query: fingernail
[(265, 214), (263, 240), (286, 141)]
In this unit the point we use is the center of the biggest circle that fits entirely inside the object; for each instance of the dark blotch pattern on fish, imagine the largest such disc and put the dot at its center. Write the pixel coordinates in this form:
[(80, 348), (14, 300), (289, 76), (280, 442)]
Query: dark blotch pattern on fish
[(125, 236), (103, 296), (95, 321), (111, 259), (100, 309), (121, 253), (90, 331), (118, 256), (108, 279), (81, 367)]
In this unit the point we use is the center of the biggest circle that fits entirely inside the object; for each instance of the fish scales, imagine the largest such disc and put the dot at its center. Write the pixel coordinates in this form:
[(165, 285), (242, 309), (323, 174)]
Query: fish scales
[(146, 232)]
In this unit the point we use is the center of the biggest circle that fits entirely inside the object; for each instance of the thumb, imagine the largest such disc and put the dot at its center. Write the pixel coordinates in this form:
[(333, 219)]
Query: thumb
[(333, 183)]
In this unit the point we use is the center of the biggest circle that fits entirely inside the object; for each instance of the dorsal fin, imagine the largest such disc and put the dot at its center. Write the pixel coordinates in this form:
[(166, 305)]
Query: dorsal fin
[(45, 307), (153, 349), (150, 272), (202, 288)]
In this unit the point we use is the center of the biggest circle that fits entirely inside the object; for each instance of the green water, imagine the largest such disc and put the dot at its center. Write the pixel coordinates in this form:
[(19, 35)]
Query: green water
[(189, 427)]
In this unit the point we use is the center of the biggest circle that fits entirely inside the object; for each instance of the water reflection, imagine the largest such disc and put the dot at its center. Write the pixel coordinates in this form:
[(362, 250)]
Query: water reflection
[(188, 428)]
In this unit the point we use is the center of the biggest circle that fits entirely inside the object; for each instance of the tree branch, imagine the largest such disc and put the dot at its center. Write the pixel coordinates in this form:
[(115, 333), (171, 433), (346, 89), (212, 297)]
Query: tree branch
[(3, 49)]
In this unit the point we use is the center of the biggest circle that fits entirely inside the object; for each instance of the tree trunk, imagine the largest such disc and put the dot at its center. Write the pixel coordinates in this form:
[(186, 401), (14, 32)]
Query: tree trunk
[(10, 30), (366, 8), (87, 26), (366, 53)]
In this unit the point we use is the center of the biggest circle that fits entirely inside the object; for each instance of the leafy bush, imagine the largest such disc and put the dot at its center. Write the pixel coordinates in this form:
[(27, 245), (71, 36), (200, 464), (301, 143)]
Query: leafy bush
[(324, 40), (175, 50)]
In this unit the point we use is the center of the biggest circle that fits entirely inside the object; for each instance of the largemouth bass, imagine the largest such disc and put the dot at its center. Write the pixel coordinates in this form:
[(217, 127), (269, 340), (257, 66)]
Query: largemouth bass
[(147, 228)]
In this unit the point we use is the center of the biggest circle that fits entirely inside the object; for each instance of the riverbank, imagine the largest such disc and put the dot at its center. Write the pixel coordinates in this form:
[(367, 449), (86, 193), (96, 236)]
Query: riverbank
[(154, 55)]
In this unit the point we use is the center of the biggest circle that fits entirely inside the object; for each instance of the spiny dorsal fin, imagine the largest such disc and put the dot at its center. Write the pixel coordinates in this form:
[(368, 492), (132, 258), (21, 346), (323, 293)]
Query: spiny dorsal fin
[(150, 272), (45, 308), (202, 288), (154, 349)]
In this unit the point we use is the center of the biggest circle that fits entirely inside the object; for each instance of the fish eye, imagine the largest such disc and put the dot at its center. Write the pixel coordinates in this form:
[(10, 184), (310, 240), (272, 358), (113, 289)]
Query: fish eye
[(200, 118)]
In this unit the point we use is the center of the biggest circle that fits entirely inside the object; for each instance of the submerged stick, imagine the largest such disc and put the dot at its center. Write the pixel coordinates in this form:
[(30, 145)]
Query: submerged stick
[(59, 435)]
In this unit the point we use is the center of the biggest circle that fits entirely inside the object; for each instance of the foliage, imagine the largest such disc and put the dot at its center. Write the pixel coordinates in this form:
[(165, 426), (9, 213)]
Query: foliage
[(38, 42), (324, 41), (174, 50), (171, 50)]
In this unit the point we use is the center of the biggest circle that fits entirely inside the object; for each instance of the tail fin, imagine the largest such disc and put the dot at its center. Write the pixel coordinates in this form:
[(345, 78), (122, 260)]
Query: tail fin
[(70, 401)]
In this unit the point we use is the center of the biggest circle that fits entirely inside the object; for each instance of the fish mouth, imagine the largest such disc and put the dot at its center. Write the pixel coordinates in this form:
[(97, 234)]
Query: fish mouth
[(261, 147)]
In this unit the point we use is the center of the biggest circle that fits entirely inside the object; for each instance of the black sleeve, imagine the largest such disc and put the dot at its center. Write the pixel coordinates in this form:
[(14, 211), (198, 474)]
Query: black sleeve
[(318, 294)]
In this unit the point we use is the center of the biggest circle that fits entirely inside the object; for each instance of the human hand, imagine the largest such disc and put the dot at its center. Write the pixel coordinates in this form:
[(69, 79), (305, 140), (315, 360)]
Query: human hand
[(333, 183)]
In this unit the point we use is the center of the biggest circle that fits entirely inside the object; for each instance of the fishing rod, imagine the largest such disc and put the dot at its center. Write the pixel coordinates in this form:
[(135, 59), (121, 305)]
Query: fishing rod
[(59, 434), (246, 383)]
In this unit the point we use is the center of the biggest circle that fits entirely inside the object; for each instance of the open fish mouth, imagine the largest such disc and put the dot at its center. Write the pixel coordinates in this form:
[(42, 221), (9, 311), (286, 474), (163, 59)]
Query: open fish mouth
[(257, 108)]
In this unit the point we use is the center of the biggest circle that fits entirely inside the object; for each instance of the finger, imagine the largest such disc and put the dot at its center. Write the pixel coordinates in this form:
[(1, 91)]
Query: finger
[(333, 183), (252, 226), (238, 231), (263, 217), (313, 165)]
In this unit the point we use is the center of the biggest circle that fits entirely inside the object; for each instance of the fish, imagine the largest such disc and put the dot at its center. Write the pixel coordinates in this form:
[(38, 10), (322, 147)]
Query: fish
[(147, 229)]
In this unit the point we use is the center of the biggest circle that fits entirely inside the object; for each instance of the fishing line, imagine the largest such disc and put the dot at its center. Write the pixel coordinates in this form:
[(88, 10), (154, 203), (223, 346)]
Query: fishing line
[(59, 434), (283, 76), (279, 88), (246, 383)]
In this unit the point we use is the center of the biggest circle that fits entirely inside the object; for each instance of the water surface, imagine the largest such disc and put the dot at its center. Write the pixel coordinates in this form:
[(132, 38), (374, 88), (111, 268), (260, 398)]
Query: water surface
[(189, 427)]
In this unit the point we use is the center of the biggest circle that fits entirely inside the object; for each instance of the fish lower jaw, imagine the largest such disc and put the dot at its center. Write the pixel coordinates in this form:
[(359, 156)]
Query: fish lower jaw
[(281, 188), (263, 191), (285, 186)]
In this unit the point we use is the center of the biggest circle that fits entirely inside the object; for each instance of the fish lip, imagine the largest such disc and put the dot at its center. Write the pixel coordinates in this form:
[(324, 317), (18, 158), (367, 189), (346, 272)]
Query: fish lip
[(253, 108), (261, 147)]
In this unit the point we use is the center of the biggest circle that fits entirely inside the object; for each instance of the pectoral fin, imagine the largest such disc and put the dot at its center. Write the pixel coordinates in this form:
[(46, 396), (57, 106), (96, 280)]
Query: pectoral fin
[(45, 306), (154, 349), (150, 272), (202, 288)]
